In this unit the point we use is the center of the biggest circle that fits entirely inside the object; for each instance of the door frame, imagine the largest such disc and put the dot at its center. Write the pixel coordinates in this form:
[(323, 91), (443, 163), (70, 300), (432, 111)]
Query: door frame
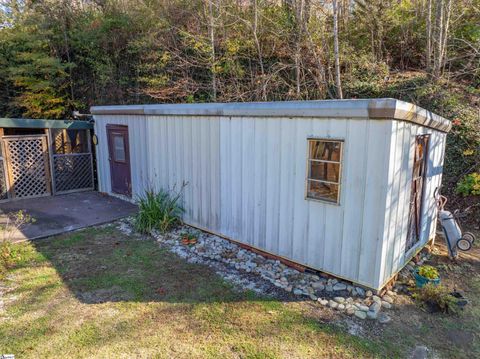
[(124, 130), (417, 197)]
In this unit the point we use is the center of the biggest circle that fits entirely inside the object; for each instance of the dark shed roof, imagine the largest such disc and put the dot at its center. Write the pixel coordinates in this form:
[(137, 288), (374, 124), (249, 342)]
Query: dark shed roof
[(37, 123)]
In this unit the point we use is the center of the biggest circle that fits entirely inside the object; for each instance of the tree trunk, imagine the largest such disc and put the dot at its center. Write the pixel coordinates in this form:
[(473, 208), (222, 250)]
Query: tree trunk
[(437, 61), (299, 22), (428, 54), (211, 31), (446, 24), (338, 81), (259, 49)]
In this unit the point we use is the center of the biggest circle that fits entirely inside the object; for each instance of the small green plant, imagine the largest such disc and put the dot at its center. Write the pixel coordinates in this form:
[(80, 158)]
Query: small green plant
[(188, 238), (14, 222), (469, 185), (159, 210), (437, 298), (428, 272)]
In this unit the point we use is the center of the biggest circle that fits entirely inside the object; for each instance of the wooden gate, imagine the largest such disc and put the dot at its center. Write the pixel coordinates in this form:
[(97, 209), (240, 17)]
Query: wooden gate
[(27, 165)]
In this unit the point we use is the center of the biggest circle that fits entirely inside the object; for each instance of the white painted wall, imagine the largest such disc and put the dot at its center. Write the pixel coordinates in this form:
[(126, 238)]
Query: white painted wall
[(246, 180), (399, 190)]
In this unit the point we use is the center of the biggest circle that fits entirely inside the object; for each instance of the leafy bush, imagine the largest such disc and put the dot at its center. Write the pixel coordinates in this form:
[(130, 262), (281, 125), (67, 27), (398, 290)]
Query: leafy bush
[(159, 210), (469, 185), (428, 272), (436, 298)]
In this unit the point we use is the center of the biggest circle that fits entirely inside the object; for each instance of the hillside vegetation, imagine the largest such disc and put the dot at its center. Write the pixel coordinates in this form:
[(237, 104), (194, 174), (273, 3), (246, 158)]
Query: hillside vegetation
[(57, 56)]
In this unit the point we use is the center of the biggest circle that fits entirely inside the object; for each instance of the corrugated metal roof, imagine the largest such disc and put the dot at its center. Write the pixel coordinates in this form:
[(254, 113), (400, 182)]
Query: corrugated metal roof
[(384, 108)]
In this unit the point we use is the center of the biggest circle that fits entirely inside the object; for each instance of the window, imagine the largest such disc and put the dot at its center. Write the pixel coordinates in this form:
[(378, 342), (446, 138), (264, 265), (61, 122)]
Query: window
[(119, 148), (324, 169)]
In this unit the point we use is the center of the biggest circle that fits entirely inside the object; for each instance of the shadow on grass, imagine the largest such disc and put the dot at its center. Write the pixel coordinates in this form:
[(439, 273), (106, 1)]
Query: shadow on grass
[(105, 265)]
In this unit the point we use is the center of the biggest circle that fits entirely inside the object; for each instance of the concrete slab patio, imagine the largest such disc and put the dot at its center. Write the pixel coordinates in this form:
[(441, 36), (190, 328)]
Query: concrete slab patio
[(58, 214)]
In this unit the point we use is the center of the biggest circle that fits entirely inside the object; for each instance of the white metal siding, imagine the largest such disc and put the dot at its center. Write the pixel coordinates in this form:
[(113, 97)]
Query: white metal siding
[(399, 191), (246, 180)]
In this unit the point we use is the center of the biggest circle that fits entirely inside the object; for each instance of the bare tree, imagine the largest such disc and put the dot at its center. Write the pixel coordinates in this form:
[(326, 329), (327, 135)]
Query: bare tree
[(338, 81), (446, 25), (259, 49), (442, 22), (428, 54), (211, 33)]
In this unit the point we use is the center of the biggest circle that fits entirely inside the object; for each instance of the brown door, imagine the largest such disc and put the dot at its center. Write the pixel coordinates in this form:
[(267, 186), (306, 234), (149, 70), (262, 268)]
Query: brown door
[(119, 157), (416, 196)]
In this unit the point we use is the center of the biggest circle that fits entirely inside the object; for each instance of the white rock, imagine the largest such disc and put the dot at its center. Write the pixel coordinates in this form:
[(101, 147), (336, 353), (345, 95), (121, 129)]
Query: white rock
[(368, 293), (362, 307), (384, 318), (323, 301), (386, 305), (318, 285), (375, 307), (332, 304), (350, 311), (360, 291), (376, 299), (339, 286), (360, 314), (388, 299), (339, 299), (341, 307)]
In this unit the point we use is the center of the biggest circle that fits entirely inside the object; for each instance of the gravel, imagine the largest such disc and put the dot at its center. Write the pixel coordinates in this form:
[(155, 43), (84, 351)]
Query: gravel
[(248, 270)]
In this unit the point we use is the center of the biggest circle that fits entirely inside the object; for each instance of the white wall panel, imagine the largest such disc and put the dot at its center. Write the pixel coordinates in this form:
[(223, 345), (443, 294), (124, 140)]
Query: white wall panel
[(399, 191), (246, 180)]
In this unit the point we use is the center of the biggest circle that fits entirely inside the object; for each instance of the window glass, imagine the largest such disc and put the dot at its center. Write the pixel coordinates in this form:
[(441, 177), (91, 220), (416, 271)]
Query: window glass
[(119, 148), (323, 191), (324, 170), (325, 150)]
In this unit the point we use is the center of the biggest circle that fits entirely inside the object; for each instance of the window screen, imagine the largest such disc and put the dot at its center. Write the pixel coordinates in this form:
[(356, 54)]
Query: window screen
[(324, 169)]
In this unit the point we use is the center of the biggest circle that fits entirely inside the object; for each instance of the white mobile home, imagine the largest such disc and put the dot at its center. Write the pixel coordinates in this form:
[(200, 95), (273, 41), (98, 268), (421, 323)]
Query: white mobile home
[(342, 186)]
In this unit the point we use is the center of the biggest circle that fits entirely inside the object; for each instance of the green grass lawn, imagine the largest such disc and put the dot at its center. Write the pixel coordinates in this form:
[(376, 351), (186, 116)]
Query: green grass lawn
[(105, 294), (101, 293)]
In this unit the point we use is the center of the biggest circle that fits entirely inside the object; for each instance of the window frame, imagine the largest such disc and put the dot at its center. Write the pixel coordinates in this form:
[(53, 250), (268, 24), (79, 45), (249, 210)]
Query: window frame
[(341, 141)]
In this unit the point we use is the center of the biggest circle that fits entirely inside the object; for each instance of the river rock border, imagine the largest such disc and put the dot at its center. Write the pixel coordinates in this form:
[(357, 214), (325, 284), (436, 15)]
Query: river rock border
[(251, 271)]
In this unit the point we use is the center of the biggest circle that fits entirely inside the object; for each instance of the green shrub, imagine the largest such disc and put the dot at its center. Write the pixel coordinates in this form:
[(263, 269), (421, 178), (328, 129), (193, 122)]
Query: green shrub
[(436, 298), (469, 185), (159, 210), (428, 272)]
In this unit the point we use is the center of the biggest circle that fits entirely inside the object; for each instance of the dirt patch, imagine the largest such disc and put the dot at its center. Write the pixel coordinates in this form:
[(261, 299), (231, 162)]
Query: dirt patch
[(102, 295), (446, 335)]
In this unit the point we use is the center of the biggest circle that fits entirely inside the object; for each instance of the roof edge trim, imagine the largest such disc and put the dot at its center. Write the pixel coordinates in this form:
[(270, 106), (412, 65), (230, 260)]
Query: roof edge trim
[(381, 109), (42, 123)]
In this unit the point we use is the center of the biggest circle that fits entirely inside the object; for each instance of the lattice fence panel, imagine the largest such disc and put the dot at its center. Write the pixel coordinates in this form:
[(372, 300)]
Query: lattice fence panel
[(27, 165), (73, 172), (3, 182)]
